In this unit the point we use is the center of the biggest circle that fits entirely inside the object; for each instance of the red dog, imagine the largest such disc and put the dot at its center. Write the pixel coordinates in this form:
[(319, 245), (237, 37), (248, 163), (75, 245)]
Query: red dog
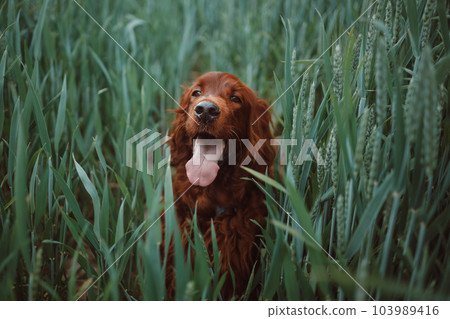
[(219, 106)]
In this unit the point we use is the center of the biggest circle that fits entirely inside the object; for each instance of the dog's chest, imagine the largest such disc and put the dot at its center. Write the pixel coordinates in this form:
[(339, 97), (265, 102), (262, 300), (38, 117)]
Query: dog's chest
[(218, 199)]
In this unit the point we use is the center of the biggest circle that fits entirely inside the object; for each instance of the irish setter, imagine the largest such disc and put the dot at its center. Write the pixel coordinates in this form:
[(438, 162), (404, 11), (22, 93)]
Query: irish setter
[(220, 107)]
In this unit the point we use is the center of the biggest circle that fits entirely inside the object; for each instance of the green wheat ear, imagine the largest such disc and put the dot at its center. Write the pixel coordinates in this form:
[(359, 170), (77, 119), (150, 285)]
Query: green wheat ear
[(293, 68), (412, 110), (381, 83), (397, 21), (361, 141), (303, 89), (340, 217), (367, 157), (430, 7), (422, 108), (370, 123), (356, 52), (431, 112), (371, 37), (329, 148), (337, 72), (388, 24), (310, 109), (375, 141)]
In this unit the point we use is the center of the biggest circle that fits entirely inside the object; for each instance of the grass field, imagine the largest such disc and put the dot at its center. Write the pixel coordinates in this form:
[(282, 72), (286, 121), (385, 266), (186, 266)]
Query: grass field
[(367, 81)]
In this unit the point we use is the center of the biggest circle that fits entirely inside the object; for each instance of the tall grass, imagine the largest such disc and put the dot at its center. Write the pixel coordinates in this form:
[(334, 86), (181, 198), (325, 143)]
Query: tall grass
[(372, 222)]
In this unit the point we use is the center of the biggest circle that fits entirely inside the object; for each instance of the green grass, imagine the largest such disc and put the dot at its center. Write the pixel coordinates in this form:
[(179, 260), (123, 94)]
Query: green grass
[(377, 108)]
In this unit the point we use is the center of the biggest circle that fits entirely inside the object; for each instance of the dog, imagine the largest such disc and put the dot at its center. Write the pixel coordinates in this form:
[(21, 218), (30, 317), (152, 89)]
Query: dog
[(209, 178)]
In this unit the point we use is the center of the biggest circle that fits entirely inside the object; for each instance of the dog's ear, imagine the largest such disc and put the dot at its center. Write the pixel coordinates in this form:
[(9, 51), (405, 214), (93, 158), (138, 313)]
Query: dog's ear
[(179, 143), (260, 128)]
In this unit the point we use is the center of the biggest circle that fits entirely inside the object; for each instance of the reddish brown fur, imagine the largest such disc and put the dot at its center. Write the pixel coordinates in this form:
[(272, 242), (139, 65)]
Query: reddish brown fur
[(242, 200)]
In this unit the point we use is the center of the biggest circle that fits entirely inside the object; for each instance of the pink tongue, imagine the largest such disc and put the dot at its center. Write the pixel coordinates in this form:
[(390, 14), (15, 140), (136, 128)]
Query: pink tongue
[(202, 168)]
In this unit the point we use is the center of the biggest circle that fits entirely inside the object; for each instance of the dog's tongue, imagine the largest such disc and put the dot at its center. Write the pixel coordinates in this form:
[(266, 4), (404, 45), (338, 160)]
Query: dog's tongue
[(202, 168)]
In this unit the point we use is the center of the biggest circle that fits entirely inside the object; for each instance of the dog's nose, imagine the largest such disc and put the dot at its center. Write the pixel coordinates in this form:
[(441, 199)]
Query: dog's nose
[(206, 111)]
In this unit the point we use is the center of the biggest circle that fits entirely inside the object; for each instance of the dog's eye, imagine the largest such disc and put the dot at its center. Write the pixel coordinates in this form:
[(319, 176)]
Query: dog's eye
[(235, 99), (196, 93)]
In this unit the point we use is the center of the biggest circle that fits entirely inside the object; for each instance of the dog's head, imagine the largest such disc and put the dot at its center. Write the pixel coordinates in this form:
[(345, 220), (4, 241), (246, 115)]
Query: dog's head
[(218, 108)]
